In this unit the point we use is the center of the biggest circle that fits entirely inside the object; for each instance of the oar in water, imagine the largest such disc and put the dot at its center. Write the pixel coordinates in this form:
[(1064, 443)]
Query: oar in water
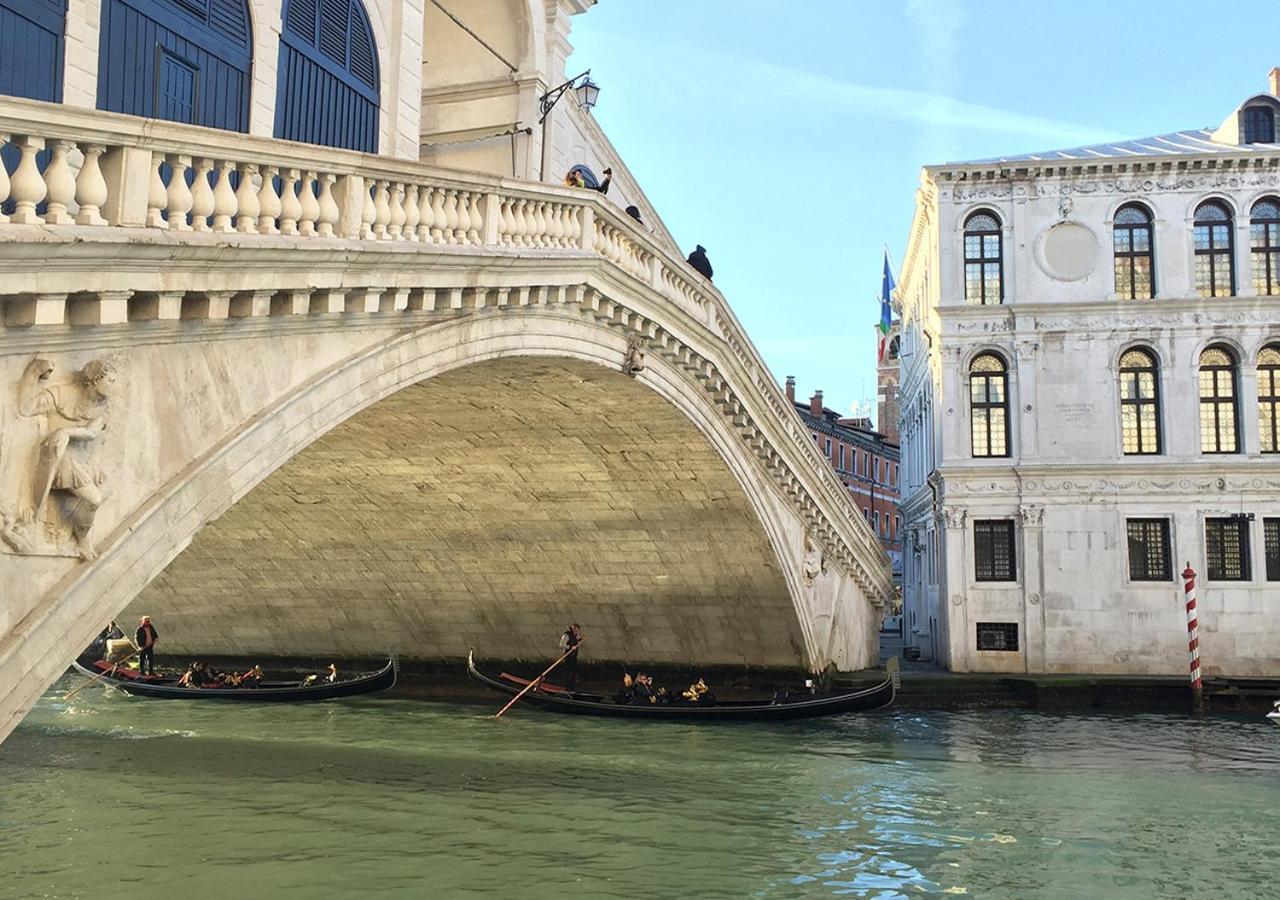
[(532, 684), (94, 678)]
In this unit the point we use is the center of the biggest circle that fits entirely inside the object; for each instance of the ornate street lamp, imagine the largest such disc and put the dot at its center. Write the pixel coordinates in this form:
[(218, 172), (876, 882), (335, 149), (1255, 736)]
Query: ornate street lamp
[(583, 87)]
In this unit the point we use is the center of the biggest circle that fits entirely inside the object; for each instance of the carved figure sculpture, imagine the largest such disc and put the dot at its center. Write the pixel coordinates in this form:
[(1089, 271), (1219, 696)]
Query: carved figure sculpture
[(813, 564), (65, 481), (634, 363)]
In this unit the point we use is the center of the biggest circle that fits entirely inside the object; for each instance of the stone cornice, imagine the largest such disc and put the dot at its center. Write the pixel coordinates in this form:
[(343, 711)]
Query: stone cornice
[(1228, 161), (1223, 476)]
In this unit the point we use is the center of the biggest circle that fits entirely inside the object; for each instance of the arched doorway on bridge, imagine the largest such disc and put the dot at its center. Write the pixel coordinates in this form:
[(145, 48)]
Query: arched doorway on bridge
[(180, 60), (31, 48), (488, 507), (328, 83)]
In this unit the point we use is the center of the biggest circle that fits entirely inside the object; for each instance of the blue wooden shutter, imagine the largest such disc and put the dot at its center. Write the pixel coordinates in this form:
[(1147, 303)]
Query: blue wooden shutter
[(31, 48)]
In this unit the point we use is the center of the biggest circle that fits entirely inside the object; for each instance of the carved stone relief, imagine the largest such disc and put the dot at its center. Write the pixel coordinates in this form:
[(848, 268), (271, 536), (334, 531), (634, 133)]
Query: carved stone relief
[(954, 516), (633, 364), (62, 486), (814, 562)]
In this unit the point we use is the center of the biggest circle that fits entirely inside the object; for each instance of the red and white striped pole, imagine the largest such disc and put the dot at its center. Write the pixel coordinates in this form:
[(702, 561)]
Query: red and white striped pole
[(1193, 638)]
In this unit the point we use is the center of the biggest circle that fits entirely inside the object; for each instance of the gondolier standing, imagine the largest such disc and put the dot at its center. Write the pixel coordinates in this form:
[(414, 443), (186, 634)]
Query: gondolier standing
[(568, 641), (145, 638)]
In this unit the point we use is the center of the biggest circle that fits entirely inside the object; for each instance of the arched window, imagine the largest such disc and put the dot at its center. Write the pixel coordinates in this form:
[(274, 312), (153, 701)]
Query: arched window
[(1139, 403), (989, 405), (1264, 241), (31, 48), (180, 60), (1215, 271), (328, 82), (1269, 397), (1259, 125), (1135, 278), (589, 178), (1218, 401), (983, 260)]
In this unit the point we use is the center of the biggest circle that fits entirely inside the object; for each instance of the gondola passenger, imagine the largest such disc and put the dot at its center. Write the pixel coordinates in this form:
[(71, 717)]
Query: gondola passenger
[(644, 689), (627, 694)]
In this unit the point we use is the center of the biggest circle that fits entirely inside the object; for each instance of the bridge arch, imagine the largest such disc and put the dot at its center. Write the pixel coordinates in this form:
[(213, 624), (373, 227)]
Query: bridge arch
[(826, 616)]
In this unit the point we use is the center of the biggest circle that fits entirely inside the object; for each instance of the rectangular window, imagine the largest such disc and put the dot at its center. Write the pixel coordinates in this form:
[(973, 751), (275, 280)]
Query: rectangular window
[(876, 514), (897, 525), (842, 457), (866, 514), (876, 464), (998, 636), (893, 482), (993, 550), (1149, 554), (1226, 547), (1271, 543), (828, 448)]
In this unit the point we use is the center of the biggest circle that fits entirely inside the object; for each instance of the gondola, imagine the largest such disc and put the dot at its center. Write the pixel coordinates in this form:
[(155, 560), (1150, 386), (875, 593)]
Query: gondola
[(780, 707), (166, 687)]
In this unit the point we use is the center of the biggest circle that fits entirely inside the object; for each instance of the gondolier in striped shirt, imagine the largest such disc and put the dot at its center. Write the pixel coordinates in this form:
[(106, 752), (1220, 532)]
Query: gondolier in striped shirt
[(568, 641)]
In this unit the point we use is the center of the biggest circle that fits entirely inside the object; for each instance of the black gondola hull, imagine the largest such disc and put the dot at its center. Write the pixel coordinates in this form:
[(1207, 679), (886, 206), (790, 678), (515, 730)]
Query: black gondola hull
[(267, 692), (864, 700)]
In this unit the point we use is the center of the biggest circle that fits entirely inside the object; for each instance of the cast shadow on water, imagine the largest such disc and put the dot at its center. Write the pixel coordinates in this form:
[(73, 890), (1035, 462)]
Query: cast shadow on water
[(398, 795)]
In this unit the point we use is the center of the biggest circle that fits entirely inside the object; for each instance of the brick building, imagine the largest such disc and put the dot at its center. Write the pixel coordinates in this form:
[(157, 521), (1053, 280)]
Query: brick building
[(866, 462)]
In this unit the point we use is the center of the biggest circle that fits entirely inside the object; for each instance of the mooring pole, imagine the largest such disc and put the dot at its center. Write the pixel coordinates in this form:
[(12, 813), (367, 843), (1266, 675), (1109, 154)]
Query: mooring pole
[(1193, 638)]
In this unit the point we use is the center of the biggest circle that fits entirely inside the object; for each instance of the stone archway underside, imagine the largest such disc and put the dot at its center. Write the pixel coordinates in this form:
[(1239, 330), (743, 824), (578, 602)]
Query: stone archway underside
[(486, 508)]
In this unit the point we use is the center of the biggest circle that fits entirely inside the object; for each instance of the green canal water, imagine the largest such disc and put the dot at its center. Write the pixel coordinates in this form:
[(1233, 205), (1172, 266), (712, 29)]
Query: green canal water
[(106, 796)]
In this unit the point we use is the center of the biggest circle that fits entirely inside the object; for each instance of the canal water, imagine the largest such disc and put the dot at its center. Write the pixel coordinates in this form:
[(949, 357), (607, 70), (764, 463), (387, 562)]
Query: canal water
[(105, 796)]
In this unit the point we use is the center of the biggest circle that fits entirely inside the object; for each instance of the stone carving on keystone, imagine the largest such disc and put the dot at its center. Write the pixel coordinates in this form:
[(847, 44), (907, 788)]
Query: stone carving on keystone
[(814, 562), (634, 363), (65, 488)]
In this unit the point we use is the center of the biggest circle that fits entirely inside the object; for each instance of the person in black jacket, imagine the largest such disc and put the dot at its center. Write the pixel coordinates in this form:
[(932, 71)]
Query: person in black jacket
[(145, 640), (701, 265)]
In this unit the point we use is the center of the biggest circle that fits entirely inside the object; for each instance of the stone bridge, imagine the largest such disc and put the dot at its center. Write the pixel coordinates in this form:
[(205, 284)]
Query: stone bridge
[(295, 400)]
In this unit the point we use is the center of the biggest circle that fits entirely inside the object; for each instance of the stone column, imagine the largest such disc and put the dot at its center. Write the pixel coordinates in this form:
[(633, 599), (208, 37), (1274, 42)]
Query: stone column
[(1022, 406), (953, 590), (1033, 652)]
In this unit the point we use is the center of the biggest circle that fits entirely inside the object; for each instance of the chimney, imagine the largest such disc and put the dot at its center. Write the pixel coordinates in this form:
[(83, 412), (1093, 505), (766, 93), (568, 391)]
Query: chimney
[(1274, 77), (815, 404), (791, 389)]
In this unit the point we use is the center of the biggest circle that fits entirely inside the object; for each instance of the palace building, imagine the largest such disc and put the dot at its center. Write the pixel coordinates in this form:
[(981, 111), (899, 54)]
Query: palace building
[(1090, 401)]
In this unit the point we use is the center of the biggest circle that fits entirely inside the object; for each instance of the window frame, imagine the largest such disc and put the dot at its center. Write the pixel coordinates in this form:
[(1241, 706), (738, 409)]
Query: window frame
[(1240, 525), (1212, 251), (1004, 629), (985, 567), (1271, 548), (1131, 256), (1148, 574), (1138, 403), (1268, 376), (1268, 250), (1248, 135), (981, 410), (1218, 401), (983, 260)]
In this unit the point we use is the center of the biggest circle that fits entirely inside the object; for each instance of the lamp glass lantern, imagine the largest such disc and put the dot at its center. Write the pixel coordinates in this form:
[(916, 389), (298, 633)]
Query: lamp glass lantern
[(587, 93)]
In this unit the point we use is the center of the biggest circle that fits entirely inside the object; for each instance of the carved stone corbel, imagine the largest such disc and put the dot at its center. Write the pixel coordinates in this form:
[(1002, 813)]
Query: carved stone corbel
[(633, 362)]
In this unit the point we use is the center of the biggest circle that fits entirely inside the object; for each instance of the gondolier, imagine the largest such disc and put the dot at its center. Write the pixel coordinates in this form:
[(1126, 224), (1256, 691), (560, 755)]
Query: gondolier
[(569, 641), (145, 639)]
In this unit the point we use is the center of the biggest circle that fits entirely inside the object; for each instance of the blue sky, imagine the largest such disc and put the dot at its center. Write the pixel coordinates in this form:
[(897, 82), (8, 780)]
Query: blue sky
[(787, 137)]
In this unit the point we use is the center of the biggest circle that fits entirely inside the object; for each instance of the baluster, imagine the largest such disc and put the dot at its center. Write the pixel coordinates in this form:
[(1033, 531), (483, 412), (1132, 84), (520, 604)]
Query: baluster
[(4, 180), (157, 194), (179, 193), (60, 184), (476, 225), (290, 208), (202, 196), (412, 215), (329, 212), (439, 219), (540, 223), (368, 212), (451, 216), (395, 228), (425, 214), (508, 225), (247, 200), (224, 200), (562, 226), (528, 224), (555, 233), (464, 217), (310, 204), (91, 187), (517, 222), (27, 185), (269, 204), (575, 227), (382, 206)]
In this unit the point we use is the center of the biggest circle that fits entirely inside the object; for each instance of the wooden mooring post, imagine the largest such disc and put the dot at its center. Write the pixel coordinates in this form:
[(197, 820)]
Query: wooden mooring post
[(1193, 638)]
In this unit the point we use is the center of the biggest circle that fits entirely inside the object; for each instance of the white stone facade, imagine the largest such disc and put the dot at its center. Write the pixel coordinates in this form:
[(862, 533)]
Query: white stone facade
[(1066, 486)]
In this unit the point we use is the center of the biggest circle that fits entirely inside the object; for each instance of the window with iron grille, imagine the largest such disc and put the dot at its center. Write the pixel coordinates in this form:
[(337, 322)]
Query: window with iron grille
[(1218, 401), (983, 263), (993, 550), (997, 636), (1226, 547), (1271, 545), (1215, 269), (1131, 235), (1139, 403), (1149, 554)]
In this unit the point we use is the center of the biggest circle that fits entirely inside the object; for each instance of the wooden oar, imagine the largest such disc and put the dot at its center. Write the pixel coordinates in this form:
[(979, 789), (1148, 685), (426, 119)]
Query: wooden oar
[(94, 678), (533, 684)]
